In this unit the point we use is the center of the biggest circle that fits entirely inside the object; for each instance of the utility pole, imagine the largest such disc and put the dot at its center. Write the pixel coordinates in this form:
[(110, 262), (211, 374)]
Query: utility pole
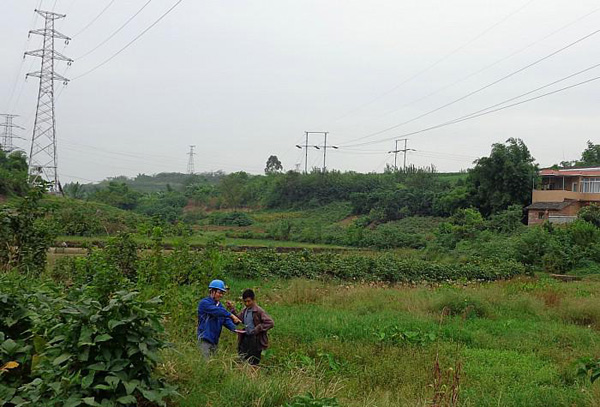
[(306, 146), (403, 150), (43, 161), (6, 142), (325, 147), (190, 168)]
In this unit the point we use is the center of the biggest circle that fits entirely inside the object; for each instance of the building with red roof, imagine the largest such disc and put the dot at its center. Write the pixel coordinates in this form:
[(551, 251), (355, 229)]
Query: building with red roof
[(563, 193)]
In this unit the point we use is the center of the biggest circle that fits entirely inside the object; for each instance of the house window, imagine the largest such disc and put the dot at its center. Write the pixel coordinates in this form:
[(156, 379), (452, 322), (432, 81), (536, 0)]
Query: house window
[(590, 185), (540, 215), (574, 187)]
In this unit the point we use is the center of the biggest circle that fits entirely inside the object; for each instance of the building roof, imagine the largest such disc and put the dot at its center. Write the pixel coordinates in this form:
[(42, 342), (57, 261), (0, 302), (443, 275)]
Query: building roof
[(585, 172), (550, 206)]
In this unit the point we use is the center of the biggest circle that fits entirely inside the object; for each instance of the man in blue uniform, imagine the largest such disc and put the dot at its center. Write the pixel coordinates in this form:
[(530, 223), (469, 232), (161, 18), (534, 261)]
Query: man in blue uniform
[(211, 318)]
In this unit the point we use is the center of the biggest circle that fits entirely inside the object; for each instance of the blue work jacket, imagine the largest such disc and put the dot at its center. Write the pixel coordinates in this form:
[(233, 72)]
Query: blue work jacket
[(211, 318)]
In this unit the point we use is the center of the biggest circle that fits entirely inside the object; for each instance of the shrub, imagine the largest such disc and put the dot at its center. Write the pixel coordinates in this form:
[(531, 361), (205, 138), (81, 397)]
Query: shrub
[(591, 214), (230, 219), (310, 400), (456, 303), (71, 350), (24, 235), (387, 267)]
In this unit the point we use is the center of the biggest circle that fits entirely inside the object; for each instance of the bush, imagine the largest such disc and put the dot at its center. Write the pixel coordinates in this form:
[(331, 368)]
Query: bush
[(24, 235), (85, 353), (387, 267), (457, 303), (230, 219)]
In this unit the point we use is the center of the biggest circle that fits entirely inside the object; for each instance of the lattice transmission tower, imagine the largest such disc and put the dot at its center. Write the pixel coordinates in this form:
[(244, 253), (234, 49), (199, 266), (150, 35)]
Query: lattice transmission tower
[(43, 160), (190, 168), (8, 135)]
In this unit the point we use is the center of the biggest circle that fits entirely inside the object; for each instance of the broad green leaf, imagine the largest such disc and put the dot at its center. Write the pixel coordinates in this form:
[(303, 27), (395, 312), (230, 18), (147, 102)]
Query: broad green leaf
[(88, 380), (39, 344), (143, 347), (130, 386), (90, 401), (73, 401), (85, 337), (61, 359), (10, 346), (84, 354), (112, 324), (129, 399), (102, 338), (113, 381), (97, 366), (150, 395)]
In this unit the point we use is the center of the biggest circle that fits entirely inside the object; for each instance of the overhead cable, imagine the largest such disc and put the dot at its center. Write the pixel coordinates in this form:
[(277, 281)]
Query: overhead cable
[(115, 32), (130, 42), (486, 112), (479, 89), (110, 3), (433, 65)]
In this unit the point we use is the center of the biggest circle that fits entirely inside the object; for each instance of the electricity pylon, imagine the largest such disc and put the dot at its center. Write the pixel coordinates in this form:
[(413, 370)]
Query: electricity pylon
[(43, 161), (8, 135), (190, 168)]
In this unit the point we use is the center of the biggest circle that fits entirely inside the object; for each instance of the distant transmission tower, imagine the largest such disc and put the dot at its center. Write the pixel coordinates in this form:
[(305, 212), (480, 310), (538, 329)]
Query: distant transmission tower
[(190, 168), (6, 142), (43, 161)]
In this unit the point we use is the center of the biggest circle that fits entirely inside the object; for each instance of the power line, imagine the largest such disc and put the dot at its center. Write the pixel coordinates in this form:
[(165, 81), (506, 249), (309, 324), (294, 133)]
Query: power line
[(442, 59), (115, 32), (110, 3), (473, 115), (485, 68), (131, 42), (18, 75), (479, 89)]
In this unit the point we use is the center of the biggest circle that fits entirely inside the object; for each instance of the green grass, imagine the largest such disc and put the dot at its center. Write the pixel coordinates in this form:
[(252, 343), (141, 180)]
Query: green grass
[(521, 349)]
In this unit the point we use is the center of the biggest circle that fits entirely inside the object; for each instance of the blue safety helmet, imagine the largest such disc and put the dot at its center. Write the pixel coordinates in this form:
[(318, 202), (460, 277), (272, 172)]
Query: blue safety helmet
[(218, 284)]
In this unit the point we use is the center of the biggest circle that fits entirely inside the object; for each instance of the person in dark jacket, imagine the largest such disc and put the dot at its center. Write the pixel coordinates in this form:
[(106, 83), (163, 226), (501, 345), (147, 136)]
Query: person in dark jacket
[(211, 318), (254, 339)]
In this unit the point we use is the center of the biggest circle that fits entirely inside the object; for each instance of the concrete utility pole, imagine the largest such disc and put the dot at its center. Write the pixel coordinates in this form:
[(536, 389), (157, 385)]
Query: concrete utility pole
[(325, 147), (43, 161), (306, 146), (396, 151), (8, 135), (190, 167)]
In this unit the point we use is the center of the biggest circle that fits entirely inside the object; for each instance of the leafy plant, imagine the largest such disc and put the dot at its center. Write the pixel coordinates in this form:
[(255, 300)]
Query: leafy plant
[(24, 236), (310, 400), (589, 367), (72, 350)]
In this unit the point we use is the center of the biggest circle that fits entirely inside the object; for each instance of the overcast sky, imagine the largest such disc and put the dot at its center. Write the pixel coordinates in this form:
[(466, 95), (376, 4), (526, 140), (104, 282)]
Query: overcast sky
[(242, 80)]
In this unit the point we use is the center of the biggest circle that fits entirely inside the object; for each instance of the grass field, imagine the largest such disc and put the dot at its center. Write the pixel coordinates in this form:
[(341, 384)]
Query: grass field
[(511, 343)]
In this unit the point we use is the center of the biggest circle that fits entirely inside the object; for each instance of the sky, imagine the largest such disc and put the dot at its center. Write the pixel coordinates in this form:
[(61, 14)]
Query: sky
[(243, 80)]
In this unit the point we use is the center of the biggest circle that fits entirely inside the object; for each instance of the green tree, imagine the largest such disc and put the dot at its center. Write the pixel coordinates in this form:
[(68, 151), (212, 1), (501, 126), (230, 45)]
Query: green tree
[(117, 194), (74, 190), (24, 236), (273, 165), (591, 155), (13, 173), (504, 178), (590, 214), (232, 188)]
